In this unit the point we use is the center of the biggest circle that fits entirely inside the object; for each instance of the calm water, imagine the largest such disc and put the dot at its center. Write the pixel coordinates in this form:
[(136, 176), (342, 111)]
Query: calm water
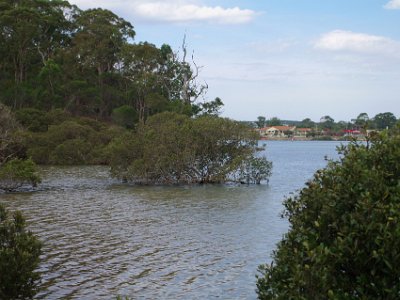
[(104, 239)]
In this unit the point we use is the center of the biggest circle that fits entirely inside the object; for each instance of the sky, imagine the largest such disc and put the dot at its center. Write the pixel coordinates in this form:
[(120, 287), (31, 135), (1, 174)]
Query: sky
[(291, 59)]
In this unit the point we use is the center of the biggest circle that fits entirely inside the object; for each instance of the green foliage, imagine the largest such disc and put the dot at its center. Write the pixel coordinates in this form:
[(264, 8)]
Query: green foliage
[(33, 30), (125, 116), (254, 170), (57, 116), (175, 149), (362, 120), (14, 170), (327, 122), (274, 121), (71, 152), (261, 122), (212, 108), (384, 120), (306, 123), (17, 172), (8, 125), (32, 119), (55, 56), (180, 107), (344, 237), (72, 142), (19, 257)]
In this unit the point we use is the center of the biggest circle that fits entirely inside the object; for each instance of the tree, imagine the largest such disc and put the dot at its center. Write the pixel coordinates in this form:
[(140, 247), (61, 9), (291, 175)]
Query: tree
[(14, 171), (144, 73), (261, 121), (125, 116), (99, 39), (190, 89), (327, 122), (96, 47), (32, 119), (31, 32), (384, 120), (19, 257), (344, 236), (274, 121), (73, 142), (254, 170), (307, 123), (362, 120), (8, 125), (211, 108), (172, 148)]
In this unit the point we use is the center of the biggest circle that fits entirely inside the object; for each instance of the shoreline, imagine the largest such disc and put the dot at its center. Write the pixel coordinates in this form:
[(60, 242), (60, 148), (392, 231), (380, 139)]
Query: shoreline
[(320, 139)]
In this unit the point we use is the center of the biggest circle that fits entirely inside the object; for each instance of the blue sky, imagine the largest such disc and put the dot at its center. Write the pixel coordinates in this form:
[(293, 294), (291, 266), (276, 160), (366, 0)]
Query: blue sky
[(291, 59)]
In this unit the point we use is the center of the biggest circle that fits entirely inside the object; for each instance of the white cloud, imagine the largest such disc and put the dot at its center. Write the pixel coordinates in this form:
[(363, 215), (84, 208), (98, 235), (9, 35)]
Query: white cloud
[(178, 11), (339, 40), (174, 12), (393, 4)]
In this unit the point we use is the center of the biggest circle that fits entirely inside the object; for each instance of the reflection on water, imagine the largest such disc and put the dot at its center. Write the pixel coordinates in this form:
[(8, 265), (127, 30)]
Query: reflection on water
[(103, 239)]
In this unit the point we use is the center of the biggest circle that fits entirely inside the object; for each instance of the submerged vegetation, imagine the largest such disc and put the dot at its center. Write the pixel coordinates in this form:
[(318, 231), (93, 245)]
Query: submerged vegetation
[(344, 237), (175, 149), (15, 169)]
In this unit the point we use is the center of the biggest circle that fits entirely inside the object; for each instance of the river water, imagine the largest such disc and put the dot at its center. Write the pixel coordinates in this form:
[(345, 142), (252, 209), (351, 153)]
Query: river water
[(103, 239)]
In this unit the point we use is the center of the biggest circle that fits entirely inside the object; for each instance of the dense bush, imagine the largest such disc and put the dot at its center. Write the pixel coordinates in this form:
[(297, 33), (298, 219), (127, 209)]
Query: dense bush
[(254, 170), (19, 257), (71, 152), (72, 142), (176, 149), (17, 172), (8, 126), (125, 116), (15, 169), (32, 119), (344, 239)]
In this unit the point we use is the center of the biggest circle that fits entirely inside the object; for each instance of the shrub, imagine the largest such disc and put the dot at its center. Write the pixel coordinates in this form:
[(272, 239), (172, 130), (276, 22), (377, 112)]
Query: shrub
[(80, 141), (8, 126), (33, 119), (19, 257), (254, 170), (125, 116), (57, 116), (344, 238), (71, 152), (17, 172), (173, 148)]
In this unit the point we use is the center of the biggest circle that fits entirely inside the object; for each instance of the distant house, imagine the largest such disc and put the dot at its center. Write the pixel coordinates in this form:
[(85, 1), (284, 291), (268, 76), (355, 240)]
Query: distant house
[(353, 133), (277, 131), (302, 132), (284, 132)]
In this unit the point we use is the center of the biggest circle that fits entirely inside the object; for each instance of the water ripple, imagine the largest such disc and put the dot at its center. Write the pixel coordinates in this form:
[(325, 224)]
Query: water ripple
[(103, 239)]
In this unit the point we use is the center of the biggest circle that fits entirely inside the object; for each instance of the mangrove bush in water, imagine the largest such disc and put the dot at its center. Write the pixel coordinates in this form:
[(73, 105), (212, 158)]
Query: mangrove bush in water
[(176, 149), (15, 169), (344, 239)]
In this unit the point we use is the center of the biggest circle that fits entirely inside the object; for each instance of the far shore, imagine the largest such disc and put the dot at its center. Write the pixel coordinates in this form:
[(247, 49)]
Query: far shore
[(313, 139)]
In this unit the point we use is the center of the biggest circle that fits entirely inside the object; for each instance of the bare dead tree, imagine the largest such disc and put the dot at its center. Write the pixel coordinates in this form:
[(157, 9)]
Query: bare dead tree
[(191, 90)]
